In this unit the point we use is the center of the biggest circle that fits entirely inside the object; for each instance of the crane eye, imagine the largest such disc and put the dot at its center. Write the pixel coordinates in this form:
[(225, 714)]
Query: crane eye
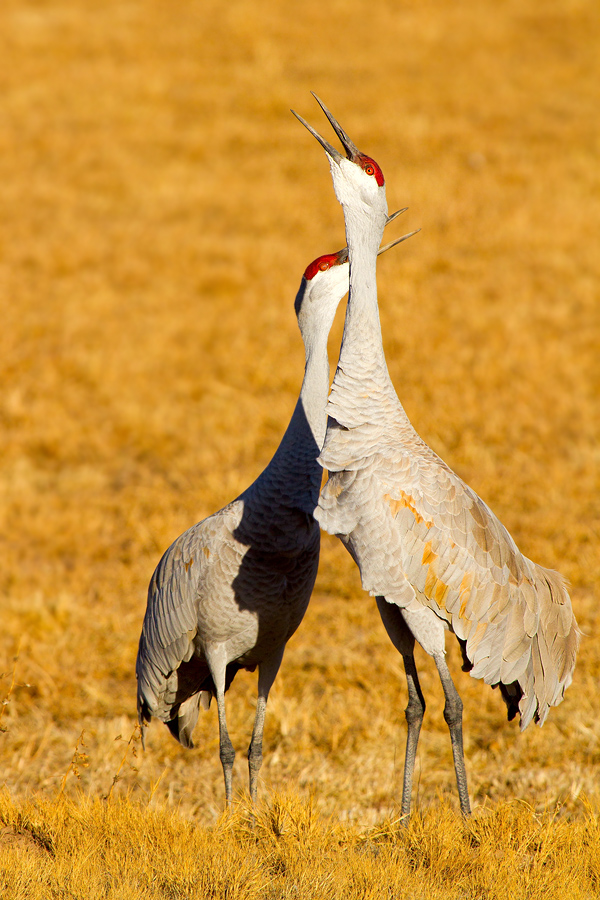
[(324, 266), (370, 169)]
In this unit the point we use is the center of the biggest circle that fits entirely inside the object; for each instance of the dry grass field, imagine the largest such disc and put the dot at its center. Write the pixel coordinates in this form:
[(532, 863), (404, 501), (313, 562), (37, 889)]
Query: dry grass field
[(158, 205)]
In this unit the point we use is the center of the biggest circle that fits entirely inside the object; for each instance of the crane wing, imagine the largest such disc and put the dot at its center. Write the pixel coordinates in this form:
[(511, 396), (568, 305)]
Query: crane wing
[(206, 555), (243, 578), (409, 520)]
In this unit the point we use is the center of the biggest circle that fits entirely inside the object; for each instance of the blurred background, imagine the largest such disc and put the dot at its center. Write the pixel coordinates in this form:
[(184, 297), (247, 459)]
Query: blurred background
[(158, 205)]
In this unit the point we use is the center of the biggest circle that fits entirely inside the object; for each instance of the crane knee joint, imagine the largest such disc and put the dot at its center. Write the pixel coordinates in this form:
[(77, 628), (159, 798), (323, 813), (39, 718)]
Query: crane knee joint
[(453, 711), (255, 758), (227, 754), (414, 713)]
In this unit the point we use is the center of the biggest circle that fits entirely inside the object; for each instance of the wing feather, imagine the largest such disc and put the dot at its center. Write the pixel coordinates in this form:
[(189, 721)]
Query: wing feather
[(408, 518), (170, 623)]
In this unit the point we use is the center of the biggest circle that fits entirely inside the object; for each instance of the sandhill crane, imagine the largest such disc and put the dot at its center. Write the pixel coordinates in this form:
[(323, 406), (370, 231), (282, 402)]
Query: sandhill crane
[(230, 592), (428, 548)]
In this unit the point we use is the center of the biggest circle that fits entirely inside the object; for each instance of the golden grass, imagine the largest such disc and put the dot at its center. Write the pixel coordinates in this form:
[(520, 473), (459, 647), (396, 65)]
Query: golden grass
[(86, 848), (158, 204)]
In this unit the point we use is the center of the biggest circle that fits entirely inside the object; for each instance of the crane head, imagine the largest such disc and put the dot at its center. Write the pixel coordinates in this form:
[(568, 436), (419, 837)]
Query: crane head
[(324, 283), (326, 262), (327, 278), (357, 178)]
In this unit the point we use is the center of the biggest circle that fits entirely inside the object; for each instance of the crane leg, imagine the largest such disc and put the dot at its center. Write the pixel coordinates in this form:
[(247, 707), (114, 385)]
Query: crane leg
[(217, 664), (267, 672), (414, 713), (453, 715), (404, 642)]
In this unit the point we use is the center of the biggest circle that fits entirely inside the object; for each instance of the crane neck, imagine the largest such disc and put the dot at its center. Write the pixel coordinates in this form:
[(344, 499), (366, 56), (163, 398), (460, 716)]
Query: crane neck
[(362, 387), (362, 328), (308, 422), (294, 469)]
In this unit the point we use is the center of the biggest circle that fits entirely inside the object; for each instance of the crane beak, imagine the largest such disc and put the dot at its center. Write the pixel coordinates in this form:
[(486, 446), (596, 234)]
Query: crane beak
[(395, 215), (330, 150), (351, 149), (399, 240), (343, 254)]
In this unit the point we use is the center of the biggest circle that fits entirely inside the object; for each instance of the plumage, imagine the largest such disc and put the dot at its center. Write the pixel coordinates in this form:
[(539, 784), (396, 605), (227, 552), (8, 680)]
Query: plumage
[(232, 589), (428, 548), (229, 592)]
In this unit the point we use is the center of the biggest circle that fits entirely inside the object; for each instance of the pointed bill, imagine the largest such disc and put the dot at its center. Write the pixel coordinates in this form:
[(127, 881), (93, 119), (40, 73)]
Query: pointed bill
[(399, 240), (329, 148), (395, 215), (343, 254), (351, 149)]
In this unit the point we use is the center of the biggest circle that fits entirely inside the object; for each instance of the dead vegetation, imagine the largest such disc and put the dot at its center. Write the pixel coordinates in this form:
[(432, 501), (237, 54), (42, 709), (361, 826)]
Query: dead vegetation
[(87, 848), (158, 204)]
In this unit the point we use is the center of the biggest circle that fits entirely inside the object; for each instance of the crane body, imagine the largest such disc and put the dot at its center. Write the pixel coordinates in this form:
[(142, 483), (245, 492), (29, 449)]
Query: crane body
[(231, 590), (428, 548)]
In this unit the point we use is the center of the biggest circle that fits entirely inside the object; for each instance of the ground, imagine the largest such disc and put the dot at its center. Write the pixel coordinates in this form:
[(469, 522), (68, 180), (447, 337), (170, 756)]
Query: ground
[(158, 205)]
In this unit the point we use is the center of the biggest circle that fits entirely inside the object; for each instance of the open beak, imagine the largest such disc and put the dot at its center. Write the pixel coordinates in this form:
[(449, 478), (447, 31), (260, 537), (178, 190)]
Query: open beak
[(352, 152), (343, 254), (395, 215), (351, 149), (399, 240)]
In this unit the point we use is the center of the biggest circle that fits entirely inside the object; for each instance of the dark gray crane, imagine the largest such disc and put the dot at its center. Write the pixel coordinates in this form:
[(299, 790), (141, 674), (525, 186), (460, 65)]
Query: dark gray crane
[(229, 593)]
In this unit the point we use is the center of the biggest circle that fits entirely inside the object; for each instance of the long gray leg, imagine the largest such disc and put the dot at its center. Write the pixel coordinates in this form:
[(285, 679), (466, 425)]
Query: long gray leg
[(414, 713), (217, 663), (404, 642), (267, 672), (453, 715)]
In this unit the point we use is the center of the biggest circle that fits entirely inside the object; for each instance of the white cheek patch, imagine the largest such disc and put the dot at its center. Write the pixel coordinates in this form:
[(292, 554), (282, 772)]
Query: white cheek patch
[(351, 183)]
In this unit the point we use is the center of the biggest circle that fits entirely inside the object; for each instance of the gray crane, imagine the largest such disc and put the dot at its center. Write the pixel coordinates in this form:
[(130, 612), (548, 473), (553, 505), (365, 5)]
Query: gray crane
[(230, 591), (428, 548)]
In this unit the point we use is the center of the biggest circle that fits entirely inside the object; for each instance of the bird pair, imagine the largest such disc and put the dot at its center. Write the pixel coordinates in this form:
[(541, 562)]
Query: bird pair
[(229, 592)]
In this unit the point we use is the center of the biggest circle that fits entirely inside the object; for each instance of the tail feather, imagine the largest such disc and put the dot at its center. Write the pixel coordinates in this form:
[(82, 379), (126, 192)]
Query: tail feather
[(553, 650), (182, 726), (179, 698), (511, 694)]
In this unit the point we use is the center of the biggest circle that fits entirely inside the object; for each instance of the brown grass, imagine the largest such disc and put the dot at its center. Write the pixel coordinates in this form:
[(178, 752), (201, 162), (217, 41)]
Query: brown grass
[(158, 204), (87, 849)]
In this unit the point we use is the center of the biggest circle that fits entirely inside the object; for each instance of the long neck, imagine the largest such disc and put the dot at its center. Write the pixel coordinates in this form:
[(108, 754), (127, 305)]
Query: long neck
[(362, 373), (294, 471), (306, 431), (362, 315)]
